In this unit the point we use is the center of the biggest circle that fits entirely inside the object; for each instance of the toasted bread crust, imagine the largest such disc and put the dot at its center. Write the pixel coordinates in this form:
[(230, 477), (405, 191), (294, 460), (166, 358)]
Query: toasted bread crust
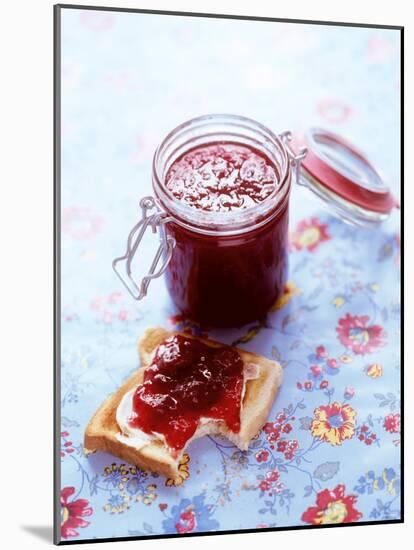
[(102, 430)]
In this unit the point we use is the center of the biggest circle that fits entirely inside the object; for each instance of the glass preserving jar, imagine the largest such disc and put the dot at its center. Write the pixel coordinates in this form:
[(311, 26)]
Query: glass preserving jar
[(227, 267)]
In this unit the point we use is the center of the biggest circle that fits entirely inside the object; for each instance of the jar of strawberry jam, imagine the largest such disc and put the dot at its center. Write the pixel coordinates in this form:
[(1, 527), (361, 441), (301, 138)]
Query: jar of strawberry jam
[(221, 205)]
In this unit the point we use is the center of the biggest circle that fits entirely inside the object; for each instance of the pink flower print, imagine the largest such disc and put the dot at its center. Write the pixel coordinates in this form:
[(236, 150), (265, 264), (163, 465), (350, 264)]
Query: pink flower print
[(380, 50), (355, 332), (81, 223), (97, 20)]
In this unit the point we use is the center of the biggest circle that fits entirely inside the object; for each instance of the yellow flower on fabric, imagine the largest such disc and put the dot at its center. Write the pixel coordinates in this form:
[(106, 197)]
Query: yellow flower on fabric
[(289, 292), (309, 234), (391, 487), (335, 512), (334, 423), (338, 301), (183, 472), (374, 371), (332, 507)]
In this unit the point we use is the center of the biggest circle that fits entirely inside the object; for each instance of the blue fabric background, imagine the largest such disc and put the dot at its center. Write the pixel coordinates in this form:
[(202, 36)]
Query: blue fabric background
[(127, 80)]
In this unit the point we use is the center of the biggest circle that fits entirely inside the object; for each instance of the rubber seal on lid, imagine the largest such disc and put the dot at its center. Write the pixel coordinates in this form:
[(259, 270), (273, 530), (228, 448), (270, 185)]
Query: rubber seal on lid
[(343, 178)]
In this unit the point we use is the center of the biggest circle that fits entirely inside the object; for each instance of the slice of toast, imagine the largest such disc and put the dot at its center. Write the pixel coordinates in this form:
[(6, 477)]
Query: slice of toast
[(102, 430)]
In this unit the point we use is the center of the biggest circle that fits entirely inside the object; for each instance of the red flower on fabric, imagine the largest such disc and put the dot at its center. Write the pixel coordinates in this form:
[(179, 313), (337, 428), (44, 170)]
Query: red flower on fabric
[(309, 234), (264, 485), (268, 428), (272, 476), (72, 513), (66, 446), (356, 334), (332, 507), (262, 456), (186, 522), (271, 483), (366, 435), (392, 423), (321, 352), (274, 431)]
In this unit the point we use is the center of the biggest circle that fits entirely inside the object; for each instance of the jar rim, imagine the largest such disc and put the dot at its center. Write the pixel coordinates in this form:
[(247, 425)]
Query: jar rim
[(221, 223)]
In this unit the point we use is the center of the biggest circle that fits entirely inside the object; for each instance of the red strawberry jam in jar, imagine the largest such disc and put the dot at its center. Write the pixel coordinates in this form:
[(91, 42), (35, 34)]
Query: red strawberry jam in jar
[(221, 195)]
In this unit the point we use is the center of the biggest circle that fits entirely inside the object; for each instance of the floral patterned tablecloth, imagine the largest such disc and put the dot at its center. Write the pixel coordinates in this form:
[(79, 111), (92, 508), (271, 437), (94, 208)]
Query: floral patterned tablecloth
[(330, 449)]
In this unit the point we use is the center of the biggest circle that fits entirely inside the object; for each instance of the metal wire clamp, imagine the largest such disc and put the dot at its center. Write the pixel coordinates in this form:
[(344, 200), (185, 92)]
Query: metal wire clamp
[(156, 221), (295, 159)]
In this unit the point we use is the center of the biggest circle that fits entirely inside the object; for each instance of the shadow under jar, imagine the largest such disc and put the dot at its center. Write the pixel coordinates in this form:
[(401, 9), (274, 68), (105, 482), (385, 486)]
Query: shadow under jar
[(221, 199)]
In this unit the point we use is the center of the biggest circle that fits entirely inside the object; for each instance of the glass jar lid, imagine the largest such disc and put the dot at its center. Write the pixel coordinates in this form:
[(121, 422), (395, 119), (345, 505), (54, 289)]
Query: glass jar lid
[(343, 178)]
